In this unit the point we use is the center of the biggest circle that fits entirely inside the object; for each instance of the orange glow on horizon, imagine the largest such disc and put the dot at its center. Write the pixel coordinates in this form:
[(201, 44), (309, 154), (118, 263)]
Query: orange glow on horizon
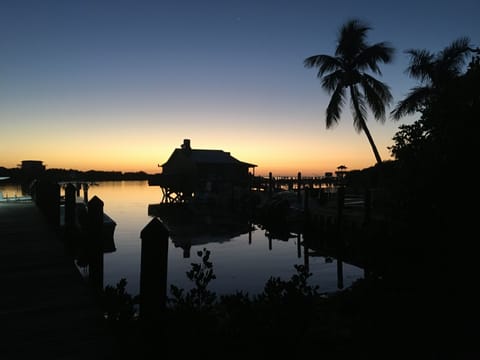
[(283, 149), (311, 158)]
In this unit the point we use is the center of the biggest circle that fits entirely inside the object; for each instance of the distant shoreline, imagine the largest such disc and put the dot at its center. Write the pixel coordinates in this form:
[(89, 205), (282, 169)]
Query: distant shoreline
[(17, 175)]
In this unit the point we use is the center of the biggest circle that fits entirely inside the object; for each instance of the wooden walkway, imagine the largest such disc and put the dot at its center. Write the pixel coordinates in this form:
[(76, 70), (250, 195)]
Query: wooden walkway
[(47, 310)]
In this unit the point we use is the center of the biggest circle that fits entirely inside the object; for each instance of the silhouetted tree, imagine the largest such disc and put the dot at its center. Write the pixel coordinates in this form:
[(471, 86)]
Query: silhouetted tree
[(435, 72), (448, 101), (437, 197), (346, 71)]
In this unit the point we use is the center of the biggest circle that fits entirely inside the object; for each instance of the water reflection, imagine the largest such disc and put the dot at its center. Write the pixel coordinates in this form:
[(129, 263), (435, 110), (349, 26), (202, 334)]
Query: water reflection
[(244, 255), (192, 228)]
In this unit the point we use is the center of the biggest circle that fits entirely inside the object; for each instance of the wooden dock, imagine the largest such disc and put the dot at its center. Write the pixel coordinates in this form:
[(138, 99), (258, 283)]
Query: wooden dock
[(47, 310), (277, 183)]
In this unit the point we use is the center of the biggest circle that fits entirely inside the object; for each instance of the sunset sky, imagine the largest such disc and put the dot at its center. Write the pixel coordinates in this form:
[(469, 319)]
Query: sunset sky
[(117, 85)]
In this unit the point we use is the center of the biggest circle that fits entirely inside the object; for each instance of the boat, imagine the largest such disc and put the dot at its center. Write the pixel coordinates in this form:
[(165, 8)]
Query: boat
[(14, 198)]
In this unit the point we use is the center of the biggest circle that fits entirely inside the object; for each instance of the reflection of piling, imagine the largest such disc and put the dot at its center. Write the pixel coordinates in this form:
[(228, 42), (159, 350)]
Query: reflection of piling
[(186, 251), (153, 270), (299, 246), (306, 256), (95, 242), (339, 273), (249, 233)]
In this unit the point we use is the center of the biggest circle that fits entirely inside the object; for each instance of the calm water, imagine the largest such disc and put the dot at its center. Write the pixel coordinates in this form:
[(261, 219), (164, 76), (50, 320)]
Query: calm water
[(241, 262)]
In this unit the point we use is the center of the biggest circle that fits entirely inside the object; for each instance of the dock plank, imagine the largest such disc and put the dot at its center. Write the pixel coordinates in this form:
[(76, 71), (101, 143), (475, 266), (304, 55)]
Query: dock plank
[(47, 310)]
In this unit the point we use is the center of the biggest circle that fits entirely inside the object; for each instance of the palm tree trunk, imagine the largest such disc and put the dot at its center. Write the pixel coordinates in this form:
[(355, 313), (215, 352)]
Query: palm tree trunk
[(372, 143), (363, 125)]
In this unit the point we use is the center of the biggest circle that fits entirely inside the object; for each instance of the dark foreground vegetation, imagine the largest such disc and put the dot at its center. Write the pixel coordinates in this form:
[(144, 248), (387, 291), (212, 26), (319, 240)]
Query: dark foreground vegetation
[(422, 305)]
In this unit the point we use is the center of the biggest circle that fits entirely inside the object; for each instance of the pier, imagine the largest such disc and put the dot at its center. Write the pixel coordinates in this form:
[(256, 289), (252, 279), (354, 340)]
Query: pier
[(277, 183), (47, 310)]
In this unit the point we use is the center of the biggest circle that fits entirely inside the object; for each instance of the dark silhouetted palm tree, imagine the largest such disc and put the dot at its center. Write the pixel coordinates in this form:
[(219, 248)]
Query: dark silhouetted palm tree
[(434, 71), (346, 71)]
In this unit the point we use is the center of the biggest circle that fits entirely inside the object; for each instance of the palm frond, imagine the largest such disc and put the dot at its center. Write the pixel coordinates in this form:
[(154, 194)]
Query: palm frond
[(334, 108), (331, 81), (324, 63), (421, 64), (382, 90), (359, 109), (372, 55), (416, 98), (453, 57), (351, 39), (377, 95)]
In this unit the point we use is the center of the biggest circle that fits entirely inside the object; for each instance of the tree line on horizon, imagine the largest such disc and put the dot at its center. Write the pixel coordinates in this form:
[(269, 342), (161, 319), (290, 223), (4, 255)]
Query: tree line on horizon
[(18, 175)]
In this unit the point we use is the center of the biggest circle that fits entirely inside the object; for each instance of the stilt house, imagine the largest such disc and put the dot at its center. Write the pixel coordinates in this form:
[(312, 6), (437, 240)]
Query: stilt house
[(198, 174)]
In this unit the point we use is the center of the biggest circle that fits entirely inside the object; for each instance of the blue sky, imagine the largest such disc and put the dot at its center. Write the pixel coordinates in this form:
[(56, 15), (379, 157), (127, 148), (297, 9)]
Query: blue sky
[(119, 84)]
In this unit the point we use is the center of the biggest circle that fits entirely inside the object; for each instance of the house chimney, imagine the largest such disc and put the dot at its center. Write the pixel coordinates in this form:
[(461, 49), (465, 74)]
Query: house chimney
[(186, 144)]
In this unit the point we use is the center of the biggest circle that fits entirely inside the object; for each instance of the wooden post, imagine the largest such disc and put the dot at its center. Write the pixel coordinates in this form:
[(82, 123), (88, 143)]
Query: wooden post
[(70, 198), (367, 206), (53, 204), (299, 180), (48, 201), (38, 193), (270, 185), (95, 242), (340, 243), (340, 205), (153, 270), (85, 192), (306, 209), (306, 192), (323, 196)]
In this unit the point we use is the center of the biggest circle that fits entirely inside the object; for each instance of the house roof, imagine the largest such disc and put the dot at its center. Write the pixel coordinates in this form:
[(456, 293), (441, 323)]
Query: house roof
[(215, 156), (201, 156)]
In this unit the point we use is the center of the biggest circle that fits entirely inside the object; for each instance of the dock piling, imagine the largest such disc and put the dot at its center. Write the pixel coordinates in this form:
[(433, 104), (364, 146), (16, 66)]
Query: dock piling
[(153, 270), (95, 242)]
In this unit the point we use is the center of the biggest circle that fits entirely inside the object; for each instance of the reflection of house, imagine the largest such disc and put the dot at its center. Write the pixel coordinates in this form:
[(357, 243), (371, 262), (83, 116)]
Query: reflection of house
[(189, 228), (201, 174)]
